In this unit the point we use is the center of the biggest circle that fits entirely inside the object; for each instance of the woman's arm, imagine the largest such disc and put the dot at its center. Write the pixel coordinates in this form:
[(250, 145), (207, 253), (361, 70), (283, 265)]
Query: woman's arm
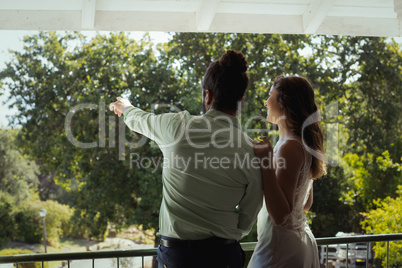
[(309, 202), (280, 185)]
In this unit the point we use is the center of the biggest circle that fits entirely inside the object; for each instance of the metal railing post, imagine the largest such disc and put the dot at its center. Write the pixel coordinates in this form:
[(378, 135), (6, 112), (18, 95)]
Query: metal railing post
[(367, 253), (324, 243), (387, 252)]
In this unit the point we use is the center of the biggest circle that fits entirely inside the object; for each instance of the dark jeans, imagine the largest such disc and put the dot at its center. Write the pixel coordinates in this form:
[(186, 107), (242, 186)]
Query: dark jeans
[(227, 256)]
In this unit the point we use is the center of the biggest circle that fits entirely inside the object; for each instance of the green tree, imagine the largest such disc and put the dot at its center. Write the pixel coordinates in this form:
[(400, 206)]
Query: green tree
[(371, 178), (54, 74), (6, 223), (49, 79), (376, 114), (386, 219), (17, 184), (17, 173), (362, 75), (58, 220), (373, 116)]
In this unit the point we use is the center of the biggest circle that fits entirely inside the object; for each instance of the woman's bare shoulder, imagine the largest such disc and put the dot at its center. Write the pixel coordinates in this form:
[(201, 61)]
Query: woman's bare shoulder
[(292, 151), (291, 145)]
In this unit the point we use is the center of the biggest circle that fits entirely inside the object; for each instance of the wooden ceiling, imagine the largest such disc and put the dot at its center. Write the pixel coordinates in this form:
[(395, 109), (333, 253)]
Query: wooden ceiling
[(339, 17)]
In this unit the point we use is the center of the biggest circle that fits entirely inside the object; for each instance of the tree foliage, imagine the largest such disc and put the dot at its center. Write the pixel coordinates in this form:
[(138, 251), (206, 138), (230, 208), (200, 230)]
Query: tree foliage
[(17, 184), (19, 200), (17, 172), (55, 74), (62, 83), (386, 219), (371, 178)]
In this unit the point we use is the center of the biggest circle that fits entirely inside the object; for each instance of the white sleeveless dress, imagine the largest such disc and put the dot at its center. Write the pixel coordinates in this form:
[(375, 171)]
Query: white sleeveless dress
[(292, 244)]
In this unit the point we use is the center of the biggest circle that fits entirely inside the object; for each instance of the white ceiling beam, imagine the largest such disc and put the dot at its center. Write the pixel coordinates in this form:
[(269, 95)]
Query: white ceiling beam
[(40, 20), (40, 5), (362, 12), (398, 11), (206, 14), (315, 15), (398, 8), (360, 26), (365, 3), (261, 8), (141, 5), (88, 14)]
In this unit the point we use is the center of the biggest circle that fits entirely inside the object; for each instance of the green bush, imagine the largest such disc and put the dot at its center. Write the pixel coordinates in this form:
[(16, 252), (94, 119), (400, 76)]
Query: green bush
[(27, 226), (94, 227), (28, 222), (23, 251), (6, 223), (28, 229), (386, 219), (57, 219)]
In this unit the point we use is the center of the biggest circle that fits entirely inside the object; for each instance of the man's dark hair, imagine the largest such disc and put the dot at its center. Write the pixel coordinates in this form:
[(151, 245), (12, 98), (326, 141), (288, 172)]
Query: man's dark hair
[(227, 80)]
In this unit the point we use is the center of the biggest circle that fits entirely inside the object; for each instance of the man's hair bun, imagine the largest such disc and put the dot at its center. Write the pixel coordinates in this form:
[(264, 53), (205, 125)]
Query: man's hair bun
[(233, 61), (227, 80)]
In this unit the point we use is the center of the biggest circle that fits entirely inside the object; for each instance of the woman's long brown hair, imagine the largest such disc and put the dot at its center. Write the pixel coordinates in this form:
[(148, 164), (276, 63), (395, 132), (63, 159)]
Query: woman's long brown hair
[(296, 98)]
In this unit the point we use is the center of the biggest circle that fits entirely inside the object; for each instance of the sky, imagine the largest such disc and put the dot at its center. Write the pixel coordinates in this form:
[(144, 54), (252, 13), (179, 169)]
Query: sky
[(14, 40)]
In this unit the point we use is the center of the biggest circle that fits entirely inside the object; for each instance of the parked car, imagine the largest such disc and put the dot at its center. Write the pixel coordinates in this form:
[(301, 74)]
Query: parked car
[(358, 254)]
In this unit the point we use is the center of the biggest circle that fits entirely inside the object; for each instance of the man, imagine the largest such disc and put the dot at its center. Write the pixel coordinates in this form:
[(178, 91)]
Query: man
[(212, 190)]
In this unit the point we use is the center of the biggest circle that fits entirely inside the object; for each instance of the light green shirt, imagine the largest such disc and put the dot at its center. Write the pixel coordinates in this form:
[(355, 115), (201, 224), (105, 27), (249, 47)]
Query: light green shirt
[(211, 176)]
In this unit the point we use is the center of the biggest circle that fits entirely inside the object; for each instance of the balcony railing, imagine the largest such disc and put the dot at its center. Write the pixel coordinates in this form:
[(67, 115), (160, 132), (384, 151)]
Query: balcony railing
[(346, 244)]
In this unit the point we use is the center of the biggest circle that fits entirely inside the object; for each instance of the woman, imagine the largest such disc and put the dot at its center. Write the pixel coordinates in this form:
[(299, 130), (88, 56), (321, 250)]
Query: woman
[(284, 238)]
